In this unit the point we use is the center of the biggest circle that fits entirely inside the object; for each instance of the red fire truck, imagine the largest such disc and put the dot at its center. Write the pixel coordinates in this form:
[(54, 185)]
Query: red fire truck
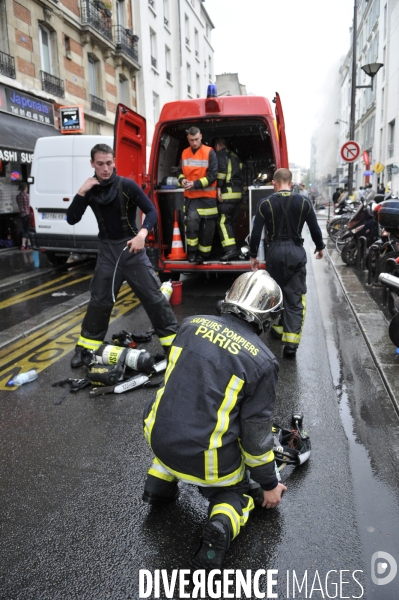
[(252, 131)]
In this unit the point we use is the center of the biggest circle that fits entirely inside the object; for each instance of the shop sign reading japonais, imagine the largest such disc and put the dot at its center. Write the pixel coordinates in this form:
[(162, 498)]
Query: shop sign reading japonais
[(23, 105)]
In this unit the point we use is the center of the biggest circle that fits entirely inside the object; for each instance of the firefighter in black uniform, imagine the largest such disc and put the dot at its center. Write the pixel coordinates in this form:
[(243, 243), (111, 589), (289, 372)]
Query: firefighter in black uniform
[(212, 420), (121, 254), (284, 214), (230, 184)]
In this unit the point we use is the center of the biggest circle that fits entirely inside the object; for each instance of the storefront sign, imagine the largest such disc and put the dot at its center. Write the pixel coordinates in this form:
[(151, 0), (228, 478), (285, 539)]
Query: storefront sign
[(72, 119), (15, 156), (26, 106)]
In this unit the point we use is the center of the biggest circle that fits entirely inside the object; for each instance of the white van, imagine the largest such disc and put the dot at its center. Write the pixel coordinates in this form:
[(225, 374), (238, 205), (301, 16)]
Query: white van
[(60, 166)]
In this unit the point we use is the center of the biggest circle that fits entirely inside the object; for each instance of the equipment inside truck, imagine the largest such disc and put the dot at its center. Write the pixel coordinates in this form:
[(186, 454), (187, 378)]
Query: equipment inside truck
[(248, 138)]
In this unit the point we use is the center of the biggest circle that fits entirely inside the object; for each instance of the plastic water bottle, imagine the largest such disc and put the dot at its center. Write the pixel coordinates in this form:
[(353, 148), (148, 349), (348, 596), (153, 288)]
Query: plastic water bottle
[(23, 378), (167, 289)]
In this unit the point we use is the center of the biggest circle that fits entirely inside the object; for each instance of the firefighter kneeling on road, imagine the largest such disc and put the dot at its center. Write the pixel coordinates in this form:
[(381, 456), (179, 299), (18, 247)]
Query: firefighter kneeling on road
[(211, 422)]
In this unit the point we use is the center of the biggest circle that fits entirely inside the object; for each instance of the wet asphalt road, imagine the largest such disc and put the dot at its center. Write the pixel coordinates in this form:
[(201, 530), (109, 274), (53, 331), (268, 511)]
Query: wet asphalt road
[(73, 525)]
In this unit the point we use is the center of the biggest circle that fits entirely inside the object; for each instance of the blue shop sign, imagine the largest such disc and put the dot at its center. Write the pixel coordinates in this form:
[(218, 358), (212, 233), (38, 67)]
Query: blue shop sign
[(26, 106)]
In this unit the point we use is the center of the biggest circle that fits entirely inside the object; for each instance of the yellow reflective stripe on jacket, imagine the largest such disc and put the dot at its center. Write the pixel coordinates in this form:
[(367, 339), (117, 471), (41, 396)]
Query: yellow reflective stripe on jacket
[(89, 344), (222, 423), (158, 470), (257, 461), (221, 176), (167, 340), (150, 420), (230, 479), (204, 181), (206, 212)]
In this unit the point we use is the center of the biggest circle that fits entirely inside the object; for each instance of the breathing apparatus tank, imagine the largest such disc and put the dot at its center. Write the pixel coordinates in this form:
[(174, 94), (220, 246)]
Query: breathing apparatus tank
[(138, 360)]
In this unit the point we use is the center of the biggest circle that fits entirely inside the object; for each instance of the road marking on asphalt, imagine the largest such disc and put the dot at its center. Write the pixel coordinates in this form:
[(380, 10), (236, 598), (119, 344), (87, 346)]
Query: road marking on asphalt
[(47, 345), (40, 290)]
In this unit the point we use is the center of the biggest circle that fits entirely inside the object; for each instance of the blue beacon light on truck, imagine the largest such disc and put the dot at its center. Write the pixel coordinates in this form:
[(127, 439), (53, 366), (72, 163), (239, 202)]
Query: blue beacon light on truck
[(212, 91)]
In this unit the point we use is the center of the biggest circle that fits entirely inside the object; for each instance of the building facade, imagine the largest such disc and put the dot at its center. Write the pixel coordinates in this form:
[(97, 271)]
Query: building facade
[(91, 54), (377, 108)]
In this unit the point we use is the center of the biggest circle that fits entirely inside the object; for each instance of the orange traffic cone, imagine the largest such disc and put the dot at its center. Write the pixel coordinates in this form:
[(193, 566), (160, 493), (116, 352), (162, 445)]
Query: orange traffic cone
[(177, 244)]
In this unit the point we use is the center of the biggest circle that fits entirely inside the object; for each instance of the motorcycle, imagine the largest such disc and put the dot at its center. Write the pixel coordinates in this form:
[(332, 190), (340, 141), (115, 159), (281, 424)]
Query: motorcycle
[(362, 224), (343, 213)]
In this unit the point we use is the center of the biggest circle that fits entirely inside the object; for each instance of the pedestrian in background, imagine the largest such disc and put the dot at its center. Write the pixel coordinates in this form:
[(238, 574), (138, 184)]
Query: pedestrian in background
[(302, 190), (284, 214), (229, 196), (24, 211), (197, 175)]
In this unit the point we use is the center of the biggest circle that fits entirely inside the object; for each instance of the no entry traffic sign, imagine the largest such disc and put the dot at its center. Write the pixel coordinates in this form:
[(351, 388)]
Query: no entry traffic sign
[(350, 151)]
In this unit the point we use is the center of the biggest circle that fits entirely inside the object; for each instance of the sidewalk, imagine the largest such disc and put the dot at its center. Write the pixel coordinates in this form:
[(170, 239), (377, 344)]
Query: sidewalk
[(369, 316)]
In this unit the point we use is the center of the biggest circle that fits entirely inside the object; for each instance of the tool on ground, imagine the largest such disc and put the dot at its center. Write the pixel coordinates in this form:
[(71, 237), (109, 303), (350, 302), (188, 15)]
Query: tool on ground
[(74, 386), (290, 447)]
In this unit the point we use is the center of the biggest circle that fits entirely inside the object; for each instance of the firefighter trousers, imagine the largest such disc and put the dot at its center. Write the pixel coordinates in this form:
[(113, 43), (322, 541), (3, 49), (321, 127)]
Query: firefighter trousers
[(230, 503), (228, 215), (286, 263), (137, 270), (201, 217)]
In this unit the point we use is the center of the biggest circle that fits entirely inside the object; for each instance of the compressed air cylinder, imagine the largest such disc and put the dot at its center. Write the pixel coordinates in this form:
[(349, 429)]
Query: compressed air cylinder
[(138, 360), (167, 289)]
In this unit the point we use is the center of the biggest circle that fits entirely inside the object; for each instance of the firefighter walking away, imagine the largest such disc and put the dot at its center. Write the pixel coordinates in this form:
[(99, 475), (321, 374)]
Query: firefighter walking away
[(283, 214)]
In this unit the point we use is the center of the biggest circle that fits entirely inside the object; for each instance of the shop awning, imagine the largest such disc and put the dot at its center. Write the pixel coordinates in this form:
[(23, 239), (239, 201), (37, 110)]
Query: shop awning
[(21, 134)]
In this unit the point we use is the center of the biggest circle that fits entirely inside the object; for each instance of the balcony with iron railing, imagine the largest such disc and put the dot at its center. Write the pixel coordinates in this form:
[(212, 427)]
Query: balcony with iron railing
[(53, 85), (7, 65), (166, 21), (391, 148), (153, 62), (168, 76), (126, 42), (97, 104), (93, 14)]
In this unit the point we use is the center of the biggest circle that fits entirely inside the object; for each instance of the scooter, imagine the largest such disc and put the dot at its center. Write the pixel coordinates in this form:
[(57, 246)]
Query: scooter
[(362, 224), (343, 214)]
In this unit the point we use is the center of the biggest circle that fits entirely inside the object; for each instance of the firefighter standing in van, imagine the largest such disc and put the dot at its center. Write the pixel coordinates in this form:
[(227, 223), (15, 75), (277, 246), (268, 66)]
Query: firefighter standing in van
[(284, 214), (213, 418), (229, 195), (114, 201), (197, 175)]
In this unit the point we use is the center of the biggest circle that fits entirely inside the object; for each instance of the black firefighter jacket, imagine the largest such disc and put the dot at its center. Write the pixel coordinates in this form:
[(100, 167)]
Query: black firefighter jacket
[(213, 417)]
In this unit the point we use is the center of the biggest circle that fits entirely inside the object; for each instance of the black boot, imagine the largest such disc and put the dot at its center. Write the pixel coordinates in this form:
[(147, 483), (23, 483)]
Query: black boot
[(214, 544), (151, 498), (290, 351), (77, 358), (192, 257)]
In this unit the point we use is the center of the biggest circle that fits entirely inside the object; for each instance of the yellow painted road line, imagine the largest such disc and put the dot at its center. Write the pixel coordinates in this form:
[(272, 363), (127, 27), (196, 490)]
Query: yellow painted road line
[(45, 346), (24, 296)]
